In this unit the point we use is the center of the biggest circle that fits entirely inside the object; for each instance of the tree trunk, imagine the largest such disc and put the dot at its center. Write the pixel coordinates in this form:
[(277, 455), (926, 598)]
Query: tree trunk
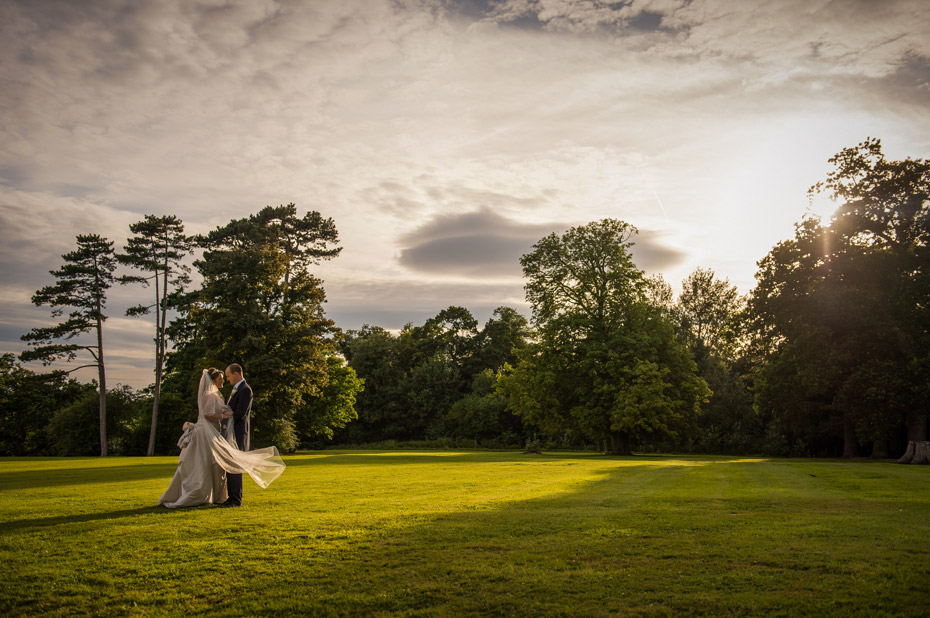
[(160, 319), (917, 453), (850, 448), (880, 449), (921, 453), (916, 426), (103, 387), (619, 443), (152, 430)]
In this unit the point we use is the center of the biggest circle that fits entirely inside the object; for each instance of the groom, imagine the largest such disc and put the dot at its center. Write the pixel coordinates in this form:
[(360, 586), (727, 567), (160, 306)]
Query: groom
[(241, 403)]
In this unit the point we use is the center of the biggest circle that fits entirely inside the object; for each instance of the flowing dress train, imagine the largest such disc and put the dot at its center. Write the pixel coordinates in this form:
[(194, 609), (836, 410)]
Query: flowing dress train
[(211, 453)]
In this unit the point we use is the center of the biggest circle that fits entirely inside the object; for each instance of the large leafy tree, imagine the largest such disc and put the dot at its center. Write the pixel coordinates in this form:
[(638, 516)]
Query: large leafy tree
[(818, 311), (434, 358), (504, 334), (260, 306), (430, 390), (884, 211), (318, 417), (839, 312), (606, 364), (157, 248), (81, 288), (450, 334)]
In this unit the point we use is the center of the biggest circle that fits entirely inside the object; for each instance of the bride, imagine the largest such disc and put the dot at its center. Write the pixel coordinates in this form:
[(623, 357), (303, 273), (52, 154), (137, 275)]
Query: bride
[(211, 452)]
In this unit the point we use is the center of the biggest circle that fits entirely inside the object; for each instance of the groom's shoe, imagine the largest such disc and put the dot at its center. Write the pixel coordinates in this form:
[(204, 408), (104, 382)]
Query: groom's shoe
[(230, 503)]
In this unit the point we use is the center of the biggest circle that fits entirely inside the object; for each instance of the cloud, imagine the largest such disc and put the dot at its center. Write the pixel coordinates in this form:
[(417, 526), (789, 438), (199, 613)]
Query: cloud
[(485, 245), (39, 227), (478, 244), (857, 37), (652, 253), (587, 16), (909, 84), (443, 136)]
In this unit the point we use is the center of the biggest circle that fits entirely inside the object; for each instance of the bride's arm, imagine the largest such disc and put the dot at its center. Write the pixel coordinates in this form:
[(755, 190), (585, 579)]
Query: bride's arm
[(218, 409)]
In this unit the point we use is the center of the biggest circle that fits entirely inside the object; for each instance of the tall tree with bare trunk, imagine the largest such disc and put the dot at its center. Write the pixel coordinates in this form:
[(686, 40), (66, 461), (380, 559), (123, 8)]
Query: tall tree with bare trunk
[(157, 248), (81, 286)]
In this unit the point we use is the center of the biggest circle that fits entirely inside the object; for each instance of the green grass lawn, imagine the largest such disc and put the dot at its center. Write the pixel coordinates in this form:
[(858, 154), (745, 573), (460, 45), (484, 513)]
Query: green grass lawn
[(472, 533)]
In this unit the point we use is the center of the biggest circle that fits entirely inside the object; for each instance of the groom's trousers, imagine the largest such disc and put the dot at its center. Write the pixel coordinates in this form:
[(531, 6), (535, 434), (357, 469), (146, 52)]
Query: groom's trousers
[(234, 487), (234, 481)]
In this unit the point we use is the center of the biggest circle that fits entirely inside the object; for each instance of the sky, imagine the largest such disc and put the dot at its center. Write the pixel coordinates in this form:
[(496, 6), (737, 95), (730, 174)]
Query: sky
[(444, 137)]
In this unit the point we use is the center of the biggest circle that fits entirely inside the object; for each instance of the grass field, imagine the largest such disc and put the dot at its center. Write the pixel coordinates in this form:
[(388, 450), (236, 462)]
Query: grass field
[(472, 533)]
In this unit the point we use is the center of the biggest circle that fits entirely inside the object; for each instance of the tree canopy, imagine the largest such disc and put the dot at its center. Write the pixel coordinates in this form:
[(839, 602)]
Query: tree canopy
[(606, 362), (260, 307), (827, 355), (839, 312)]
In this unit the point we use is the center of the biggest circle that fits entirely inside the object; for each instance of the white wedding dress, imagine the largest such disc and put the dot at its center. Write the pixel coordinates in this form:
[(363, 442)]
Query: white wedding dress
[(210, 454)]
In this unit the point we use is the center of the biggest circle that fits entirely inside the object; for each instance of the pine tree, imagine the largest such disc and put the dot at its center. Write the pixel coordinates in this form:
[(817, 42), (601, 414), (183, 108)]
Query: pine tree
[(81, 285), (157, 248)]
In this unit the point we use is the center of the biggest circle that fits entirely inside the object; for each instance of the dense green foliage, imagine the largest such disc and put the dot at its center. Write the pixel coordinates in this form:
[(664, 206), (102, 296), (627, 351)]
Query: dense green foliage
[(28, 401), (50, 414), (471, 534), (72, 430), (710, 315), (828, 355), (318, 417), (435, 380), (840, 312), (260, 307), (606, 363)]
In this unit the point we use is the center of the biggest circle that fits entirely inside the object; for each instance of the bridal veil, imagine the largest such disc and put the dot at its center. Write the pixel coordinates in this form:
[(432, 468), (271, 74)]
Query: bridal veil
[(263, 465)]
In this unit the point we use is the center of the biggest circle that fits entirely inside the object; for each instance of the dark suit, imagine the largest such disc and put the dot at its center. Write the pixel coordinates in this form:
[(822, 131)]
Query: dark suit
[(241, 404)]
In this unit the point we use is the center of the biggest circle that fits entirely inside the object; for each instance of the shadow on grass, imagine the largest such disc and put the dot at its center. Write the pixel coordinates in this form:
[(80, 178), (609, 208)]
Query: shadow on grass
[(29, 479), (636, 541), (60, 477), (61, 520)]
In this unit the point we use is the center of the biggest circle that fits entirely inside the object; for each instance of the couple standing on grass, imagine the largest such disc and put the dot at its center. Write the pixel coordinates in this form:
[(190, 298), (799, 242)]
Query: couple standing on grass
[(213, 456)]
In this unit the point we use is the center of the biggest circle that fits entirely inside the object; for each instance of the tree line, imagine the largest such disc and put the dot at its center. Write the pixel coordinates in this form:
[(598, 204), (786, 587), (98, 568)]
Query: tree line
[(828, 355), (258, 305)]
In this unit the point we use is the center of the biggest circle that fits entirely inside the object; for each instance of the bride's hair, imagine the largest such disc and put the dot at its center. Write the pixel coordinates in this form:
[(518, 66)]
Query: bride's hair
[(214, 372)]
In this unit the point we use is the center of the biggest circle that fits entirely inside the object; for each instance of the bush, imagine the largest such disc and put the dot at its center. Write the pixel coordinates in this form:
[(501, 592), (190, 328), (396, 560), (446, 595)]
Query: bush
[(475, 416), (279, 432), (75, 429), (173, 411), (27, 403), (533, 445)]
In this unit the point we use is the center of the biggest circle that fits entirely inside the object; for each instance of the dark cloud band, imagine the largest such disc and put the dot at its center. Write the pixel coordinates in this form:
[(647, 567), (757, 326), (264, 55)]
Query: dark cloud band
[(487, 245)]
